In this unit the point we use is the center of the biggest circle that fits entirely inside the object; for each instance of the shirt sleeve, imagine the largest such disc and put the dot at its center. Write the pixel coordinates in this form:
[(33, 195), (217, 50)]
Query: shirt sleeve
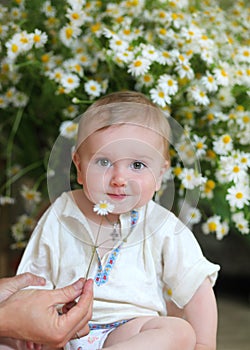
[(39, 256), (184, 266)]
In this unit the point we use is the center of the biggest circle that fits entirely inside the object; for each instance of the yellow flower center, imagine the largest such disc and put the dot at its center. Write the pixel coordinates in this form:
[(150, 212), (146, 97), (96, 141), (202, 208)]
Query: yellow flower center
[(239, 195), (75, 16), (147, 78), (210, 117), (212, 226), (69, 33), (199, 145), (71, 128), (211, 154), (177, 171), (137, 63), (37, 38), (29, 196), (236, 169), (103, 205), (163, 31), (223, 73), (126, 31), (226, 139), (95, 27), (246, 119), (14, 48)]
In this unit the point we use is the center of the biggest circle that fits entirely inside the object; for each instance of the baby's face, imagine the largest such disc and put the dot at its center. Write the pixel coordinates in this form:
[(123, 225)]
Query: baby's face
[(121, 164)]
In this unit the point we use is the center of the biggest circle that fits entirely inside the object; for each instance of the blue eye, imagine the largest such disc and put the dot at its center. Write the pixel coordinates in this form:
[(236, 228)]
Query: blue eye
[(104, 162), (137, 165)]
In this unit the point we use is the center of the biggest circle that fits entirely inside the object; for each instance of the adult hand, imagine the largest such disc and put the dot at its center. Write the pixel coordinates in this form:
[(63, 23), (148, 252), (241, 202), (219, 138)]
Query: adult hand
[(32, 314), (11, 285)]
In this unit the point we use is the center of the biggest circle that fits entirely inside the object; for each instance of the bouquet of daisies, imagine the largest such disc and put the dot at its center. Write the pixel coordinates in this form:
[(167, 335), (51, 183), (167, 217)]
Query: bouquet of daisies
[(190, 58)]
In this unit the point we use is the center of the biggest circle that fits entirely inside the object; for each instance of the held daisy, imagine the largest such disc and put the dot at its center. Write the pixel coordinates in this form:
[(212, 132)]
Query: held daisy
[(103, 208)]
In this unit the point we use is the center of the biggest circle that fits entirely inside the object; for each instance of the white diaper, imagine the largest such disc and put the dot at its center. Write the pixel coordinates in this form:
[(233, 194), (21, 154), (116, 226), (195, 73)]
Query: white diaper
[(93, 341)]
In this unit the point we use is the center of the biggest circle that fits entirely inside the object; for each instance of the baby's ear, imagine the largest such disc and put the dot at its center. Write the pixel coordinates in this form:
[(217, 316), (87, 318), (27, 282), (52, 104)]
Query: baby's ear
[(163, 169), (77, 161)]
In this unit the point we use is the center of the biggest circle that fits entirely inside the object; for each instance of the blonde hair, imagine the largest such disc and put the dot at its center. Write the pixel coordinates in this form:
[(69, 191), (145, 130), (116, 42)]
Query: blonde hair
[(124, 107)]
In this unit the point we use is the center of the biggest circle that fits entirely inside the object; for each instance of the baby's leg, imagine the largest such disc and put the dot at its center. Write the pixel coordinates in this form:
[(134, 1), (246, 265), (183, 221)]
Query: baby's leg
[(147, 333)]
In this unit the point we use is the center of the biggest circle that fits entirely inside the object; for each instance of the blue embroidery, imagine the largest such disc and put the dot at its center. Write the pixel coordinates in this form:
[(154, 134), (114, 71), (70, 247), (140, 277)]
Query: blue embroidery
[(102, 274)]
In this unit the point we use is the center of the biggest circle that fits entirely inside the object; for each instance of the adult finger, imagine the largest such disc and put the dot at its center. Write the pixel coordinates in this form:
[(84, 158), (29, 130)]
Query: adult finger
[(27, 279), (81, 313), (11, 285)]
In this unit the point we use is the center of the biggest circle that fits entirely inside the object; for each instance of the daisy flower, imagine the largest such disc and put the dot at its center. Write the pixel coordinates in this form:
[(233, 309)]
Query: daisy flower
[(103, 208), (146, 80), (6, 200), (159, 96), (139, 66), (211, 225), (70, 82), (223, 144), (118, 45), (48, 9), (241, 222), (149, 52), (169, 85), (3, 102), (190, 178), (39, 38), (76, 16), (93, 88), (209, 82), (73, 66), (208, 189), (68, 33), (225, 97), (200, 145), (185, 71), (19, 43), (234, 169), (243, 119), (56, 74), (221, 76), (69, 129), (71, 111), (222, 230), (20, 99), (238, 196), (243, 54), (199, 96), (125, 56), (193, 215), (164, 57), (30, 195)]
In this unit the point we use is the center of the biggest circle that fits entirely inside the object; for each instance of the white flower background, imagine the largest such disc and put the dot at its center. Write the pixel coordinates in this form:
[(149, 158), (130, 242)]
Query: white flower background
[(191, 58)]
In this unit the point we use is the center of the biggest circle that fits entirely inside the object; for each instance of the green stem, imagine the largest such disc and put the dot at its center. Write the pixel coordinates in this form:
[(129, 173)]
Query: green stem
[(94, 249), (39, 181), (19, 175), (9, 148)]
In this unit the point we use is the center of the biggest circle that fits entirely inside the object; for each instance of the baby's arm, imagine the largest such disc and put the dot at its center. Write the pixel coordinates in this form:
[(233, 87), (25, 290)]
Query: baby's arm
[(201, 313)]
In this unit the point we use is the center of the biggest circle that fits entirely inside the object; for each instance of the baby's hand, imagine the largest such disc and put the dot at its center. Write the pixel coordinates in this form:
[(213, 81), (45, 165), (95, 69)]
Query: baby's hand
[(32, 346)]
